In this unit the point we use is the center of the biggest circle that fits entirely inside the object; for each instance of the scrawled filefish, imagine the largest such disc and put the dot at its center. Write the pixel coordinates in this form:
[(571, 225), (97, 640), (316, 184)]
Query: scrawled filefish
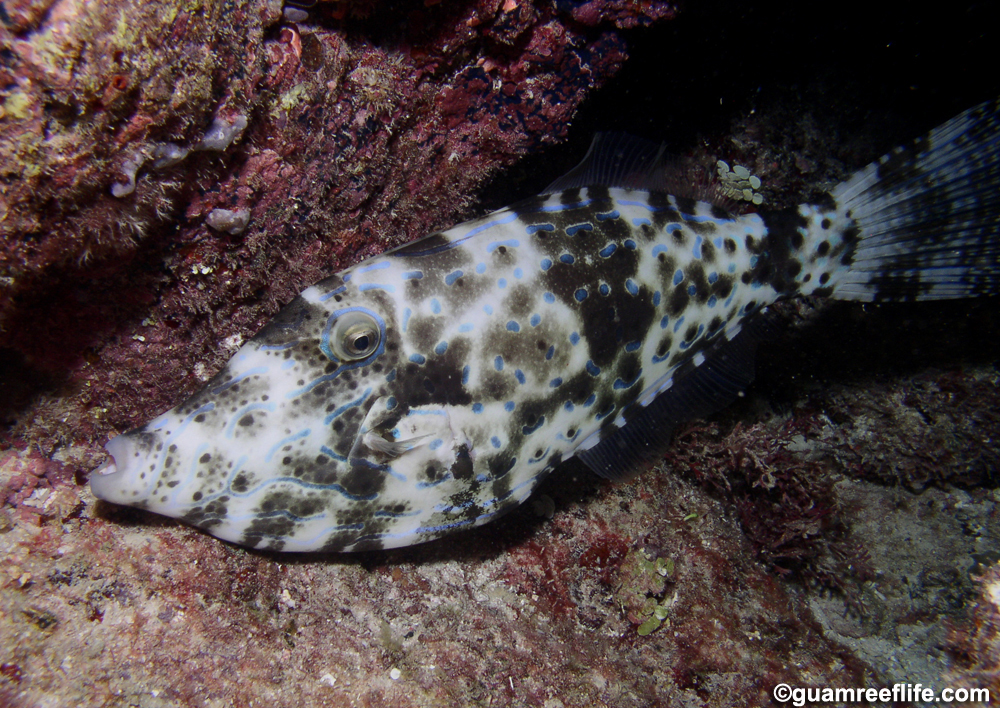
[(431, 389)]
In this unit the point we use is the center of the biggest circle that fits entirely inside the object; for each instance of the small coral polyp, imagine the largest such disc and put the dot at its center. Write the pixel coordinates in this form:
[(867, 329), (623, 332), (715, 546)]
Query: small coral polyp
[(219, 136), (231, 221)]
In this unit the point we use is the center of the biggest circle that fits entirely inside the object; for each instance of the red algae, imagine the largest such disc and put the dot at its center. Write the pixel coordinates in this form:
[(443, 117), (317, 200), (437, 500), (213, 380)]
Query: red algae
[(334, 129)]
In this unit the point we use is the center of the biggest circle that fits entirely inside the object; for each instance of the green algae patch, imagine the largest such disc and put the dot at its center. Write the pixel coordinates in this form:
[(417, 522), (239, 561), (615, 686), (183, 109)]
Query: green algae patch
[(642, 589)]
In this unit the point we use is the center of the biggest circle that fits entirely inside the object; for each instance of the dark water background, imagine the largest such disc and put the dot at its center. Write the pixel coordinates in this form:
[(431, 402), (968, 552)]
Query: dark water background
[(889, 68)]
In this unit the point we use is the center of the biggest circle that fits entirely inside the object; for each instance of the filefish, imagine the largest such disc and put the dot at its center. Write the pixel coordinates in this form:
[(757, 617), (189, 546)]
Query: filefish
[(430, 389)]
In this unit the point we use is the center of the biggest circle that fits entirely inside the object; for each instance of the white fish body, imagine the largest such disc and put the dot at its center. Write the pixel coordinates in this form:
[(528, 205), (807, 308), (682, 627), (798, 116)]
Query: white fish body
[(431, 388)]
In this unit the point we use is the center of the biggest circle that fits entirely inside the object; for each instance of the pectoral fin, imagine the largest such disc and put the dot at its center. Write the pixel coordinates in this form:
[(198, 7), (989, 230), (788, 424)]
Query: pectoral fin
[(418, 444)]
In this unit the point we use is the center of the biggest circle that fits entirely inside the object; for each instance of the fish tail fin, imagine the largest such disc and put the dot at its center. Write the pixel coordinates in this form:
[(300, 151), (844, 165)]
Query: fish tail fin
[(923, 222)]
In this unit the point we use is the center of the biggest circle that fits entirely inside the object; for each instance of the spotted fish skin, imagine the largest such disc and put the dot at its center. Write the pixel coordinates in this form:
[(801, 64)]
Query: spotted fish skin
[(432, 388)]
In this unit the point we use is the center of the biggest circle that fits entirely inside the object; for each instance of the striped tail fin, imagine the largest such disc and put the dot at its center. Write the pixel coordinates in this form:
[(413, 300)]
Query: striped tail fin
[(928, 215)]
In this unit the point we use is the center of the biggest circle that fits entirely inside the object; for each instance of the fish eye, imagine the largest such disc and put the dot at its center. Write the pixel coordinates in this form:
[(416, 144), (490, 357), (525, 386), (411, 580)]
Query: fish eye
[(355, 335)]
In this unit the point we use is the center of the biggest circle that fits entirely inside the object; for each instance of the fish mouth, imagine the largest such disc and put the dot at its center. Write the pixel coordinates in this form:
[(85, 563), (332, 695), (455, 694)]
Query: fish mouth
[(109, 467), (109, 481)]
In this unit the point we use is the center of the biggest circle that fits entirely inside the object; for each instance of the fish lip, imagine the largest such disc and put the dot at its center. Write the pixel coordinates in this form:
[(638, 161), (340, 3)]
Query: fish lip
[(107, 482), (109, 466)]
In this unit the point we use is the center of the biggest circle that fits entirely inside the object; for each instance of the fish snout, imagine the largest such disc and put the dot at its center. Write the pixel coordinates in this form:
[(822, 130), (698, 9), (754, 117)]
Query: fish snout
[(118, 479)]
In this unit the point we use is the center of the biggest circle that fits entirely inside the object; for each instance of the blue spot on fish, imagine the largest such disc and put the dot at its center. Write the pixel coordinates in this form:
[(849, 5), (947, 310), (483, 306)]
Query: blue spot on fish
[(509, 406), (593, 369), (550, 353), (536, 320), (605, 215), (519, 375), (477, 407), (481, 268), (518, 273), (546, 264), (465, 374), (333, 293), (549, 297), (330, 453), (556, 382), (494, 245), (452, 277), (534, 228), (620, 385), (374, 266), (502, 283), (632, 346), (528, 429), (495, 441), (631, 287), (608, 250), (577, 228), (567, 258), (353, 404), (513, 326), (574, 338), (418, 358), (441, 348), (435, 306), (604, 289), (498, 363), (678, 277), (580, 295), (413, 275)]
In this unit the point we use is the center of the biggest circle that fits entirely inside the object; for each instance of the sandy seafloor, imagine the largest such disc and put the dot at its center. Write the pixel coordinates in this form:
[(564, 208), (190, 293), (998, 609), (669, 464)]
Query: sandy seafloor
[(838, 526)]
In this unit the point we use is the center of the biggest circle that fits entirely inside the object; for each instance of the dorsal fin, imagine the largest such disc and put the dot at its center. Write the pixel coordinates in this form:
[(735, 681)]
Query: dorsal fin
[(615, 160), (725, 373)]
